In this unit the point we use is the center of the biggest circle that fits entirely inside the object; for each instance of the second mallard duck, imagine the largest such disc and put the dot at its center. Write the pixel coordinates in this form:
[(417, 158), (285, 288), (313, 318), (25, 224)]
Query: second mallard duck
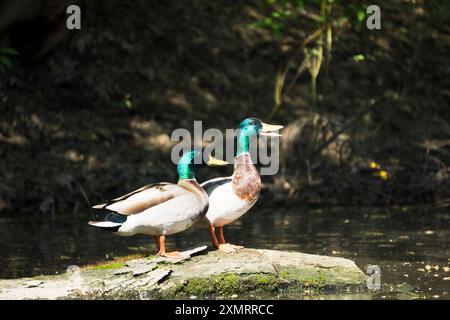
[(160, 209)]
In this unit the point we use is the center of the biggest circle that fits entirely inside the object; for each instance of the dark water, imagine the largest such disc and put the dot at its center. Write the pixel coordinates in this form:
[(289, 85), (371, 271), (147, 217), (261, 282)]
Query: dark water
[(410, 245)]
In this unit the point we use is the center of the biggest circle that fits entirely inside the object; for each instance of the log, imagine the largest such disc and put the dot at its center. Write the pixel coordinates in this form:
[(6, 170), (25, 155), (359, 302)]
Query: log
[(250, 273)]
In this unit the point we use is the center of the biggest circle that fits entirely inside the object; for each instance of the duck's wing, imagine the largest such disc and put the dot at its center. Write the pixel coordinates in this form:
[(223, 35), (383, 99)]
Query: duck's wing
[(142, 199), (210, 185)]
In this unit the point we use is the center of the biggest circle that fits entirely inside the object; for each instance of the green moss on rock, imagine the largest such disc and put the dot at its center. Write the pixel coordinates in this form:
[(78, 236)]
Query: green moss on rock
[(114, 265), (320, 279), (262, 281), (226, 285)]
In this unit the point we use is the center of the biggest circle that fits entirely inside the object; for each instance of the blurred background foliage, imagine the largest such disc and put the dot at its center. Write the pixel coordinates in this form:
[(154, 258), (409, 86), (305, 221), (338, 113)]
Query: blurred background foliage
[(5, 58), (88, 114)]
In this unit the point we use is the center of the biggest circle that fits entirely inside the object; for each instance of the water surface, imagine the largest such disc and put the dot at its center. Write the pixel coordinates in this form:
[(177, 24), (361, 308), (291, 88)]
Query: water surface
[(410, 245)]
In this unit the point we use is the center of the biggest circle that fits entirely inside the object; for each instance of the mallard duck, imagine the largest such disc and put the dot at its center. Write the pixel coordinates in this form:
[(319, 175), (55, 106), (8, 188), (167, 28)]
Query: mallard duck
[(231, 197), (160, 209)]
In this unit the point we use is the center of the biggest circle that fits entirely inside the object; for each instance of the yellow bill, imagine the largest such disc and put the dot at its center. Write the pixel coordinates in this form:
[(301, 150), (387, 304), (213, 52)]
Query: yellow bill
[(216, 162), (270, 130)]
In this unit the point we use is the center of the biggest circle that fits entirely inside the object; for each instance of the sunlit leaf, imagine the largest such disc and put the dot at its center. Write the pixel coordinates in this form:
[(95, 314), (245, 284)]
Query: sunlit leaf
[(276, 14), (360, 15), (359, 57), (127, 101), (374, 165), (384, 175)]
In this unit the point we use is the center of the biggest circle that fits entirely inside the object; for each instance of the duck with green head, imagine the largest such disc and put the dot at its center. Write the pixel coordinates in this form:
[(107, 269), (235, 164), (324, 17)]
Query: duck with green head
[(160, 209), (231, 197)]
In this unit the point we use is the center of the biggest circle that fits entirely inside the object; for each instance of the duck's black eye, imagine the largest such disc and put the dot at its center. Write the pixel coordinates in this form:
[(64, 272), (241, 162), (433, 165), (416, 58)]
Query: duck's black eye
[(255, 121)]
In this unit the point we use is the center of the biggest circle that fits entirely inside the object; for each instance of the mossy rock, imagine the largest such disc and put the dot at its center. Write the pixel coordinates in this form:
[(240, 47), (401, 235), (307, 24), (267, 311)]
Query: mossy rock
[(250, 273)]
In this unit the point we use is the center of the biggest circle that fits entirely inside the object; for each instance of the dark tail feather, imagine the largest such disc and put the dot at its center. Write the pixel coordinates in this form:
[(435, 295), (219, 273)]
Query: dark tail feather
[(112, 222)]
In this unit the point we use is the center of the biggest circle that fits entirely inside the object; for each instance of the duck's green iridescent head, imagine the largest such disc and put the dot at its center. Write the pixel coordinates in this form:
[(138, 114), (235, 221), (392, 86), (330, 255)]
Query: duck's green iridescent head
[(191, 161), (249, 129)]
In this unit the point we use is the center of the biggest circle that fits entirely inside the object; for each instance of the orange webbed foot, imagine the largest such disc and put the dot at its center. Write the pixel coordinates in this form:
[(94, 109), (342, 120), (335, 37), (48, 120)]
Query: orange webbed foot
[(171, 255), (229, 248)]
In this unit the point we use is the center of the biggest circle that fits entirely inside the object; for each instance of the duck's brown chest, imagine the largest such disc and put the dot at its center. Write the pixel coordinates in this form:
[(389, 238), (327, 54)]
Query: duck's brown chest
[(246, 181)]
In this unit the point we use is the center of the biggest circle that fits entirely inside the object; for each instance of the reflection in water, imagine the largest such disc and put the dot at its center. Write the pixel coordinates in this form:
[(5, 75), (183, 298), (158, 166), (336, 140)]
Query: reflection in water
[(411, 246)]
